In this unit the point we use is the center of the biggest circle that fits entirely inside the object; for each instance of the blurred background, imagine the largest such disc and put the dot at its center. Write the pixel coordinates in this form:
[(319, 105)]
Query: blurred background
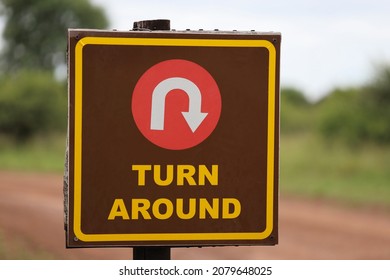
[(335, 120)]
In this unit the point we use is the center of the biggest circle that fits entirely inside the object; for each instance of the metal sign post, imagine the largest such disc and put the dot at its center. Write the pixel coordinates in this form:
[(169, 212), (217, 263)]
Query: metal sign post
[(152, 253)]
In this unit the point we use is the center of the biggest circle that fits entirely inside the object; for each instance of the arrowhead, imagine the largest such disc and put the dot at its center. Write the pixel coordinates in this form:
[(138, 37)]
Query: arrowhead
[(194, 119)]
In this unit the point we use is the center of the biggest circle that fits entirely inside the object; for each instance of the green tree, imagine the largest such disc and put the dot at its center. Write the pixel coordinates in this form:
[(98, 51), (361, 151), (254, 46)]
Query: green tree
[(296, 114), (31, 102), (343, 116), (294, 97), (356, 115), (376, 99), (35, 30)]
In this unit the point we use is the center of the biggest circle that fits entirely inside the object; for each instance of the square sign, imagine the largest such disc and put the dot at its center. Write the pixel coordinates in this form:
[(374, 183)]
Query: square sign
[(173, 138)]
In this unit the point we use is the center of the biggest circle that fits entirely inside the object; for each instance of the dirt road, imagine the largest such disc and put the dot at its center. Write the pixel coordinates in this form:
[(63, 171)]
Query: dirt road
[(31, 219)]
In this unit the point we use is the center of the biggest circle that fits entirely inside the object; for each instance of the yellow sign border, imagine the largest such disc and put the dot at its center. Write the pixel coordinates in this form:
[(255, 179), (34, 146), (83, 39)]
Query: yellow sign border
[(78, 139)]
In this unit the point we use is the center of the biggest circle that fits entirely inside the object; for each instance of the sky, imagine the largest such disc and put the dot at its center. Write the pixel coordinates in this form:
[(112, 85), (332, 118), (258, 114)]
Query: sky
[(325, 44)]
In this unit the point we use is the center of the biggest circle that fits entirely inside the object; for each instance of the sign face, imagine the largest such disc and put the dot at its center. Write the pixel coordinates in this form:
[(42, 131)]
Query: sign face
[(173, 138)]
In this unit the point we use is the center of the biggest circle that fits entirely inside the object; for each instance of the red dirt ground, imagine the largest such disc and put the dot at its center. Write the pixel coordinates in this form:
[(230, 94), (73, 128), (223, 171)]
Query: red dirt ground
[(31, 220)]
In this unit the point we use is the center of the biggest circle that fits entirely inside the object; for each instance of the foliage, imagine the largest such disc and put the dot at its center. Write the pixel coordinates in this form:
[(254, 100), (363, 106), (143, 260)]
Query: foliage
[(296, 111), (35, 30), (294, 97), (31, 103), (376, 99), (342, 116), (357, 115)]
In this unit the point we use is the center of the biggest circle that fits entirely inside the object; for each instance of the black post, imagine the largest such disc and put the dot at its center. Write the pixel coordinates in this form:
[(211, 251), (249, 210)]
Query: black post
[(156, 24), (152, 253)]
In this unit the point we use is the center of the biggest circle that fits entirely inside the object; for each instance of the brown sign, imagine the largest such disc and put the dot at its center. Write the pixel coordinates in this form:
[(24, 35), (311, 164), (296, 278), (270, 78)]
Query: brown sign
[(173, 138)]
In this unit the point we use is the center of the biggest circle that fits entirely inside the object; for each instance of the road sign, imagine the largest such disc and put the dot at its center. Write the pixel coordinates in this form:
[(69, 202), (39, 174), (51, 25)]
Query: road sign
[(173, 138)]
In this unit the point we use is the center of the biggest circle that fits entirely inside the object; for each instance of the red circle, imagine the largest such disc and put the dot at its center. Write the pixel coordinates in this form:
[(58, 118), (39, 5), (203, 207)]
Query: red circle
[(176, 133)]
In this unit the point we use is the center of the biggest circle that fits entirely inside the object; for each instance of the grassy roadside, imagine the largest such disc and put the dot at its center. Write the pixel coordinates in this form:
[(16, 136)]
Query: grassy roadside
[(18, 250), (308, 166), (41, 154), (357, 175)]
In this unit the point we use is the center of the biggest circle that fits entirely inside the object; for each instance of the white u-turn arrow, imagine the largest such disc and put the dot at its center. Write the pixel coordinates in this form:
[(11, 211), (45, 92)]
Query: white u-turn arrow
[(194, 117)]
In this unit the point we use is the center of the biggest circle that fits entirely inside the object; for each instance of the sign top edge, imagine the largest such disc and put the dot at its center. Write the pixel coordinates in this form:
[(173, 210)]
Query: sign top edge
[(98, 32)]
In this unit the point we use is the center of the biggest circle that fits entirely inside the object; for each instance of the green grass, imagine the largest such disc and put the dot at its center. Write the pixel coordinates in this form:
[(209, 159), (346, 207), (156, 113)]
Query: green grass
[(19, 250), (308, 166), (42, 154), (356, 175)]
